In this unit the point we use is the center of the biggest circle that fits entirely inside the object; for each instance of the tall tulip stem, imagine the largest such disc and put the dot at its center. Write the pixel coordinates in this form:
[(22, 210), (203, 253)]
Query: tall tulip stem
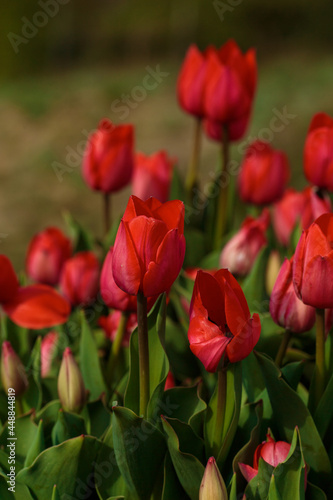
[(192, 173), (221, 404), (143, 352), (320, 356), (222, 202), (107, 211), (283, 347), (115, 348)]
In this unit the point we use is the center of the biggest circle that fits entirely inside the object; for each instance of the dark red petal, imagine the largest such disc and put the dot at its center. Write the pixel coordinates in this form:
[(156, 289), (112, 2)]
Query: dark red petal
[(126, 267), (8, 279)]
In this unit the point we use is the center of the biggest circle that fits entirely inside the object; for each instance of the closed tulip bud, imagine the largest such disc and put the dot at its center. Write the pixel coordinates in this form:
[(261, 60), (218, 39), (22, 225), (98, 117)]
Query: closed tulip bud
[(264, 174), (109, 157), (12, 370), (212, 485), (272, 270), (240, 253), (304, 207), (286, 308), (152, 176), (313, 264), (79, 280), (229, 90), (318, 152), (48, 349), (46, 255), (71, 389), (150, 246)]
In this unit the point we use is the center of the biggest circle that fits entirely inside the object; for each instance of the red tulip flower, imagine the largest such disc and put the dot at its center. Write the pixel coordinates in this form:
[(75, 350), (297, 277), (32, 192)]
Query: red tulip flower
[(318, 152), (313, 264), (286, 308), (109, 157), (264, 174), (110, 326), (79, 280), (220, 320), (191, 82), (150, 246), (240, 253), (305, 206), (48, 349), (47, 252), (152, 176), (272, 452), (229, 90), (34, 306)]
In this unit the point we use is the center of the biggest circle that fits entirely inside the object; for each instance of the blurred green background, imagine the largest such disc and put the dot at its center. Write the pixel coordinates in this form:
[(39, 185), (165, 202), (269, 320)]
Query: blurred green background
[(64, 63)]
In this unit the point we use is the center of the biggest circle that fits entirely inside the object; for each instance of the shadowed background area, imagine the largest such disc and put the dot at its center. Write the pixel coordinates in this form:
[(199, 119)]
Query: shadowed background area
[(65, 64)]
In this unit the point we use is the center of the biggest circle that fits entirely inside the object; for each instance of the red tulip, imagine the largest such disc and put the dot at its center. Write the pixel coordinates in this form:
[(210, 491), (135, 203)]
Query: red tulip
[(48, 348), (229, 89), (13, 375), (241, 251), (318, 152), (79, 280), (285, 307), (109, 158), (264, 174), (271, 452), (170, 382), (110, 325), (150, 246), (34, 306), (152, 176), (305, 206), (313, 264), (47, 253), (220, 320), (191, 81)]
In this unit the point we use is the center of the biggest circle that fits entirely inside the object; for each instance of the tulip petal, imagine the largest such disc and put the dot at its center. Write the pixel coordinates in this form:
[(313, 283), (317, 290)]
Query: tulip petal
[(243, 343), (298, 265), (247, 471), (126, 267), (212, 297), (37, 306), (317, 287), (8, 280), (172, 213), (147, 234), (169, 260)]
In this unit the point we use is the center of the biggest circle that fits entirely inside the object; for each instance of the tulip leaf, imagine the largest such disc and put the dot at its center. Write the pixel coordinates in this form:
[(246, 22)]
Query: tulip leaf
[(67, 426), (195, 246), (271, 333), (289, 412), (33, 396), (177, 189), (60, 465), (49, 415), (55, 493), (37, 446), (83, 240), (314, 493), (171, 486), (188, 468), (21, 491), (188, 441), (273, 493), (25, 432), (258, 487), (292, 373), (136, 441), (233, 488), (324, 412), (108, 479), (158, 361), (254, 283), (97, 418), (90, 363)]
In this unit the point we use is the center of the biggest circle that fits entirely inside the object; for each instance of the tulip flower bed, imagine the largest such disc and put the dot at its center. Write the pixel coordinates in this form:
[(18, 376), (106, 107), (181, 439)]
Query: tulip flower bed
[(179, 356)]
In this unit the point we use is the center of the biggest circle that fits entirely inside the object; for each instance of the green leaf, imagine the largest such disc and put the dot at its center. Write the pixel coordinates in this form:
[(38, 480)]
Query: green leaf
[(271, 334), (188, 441), (34, 396), (273, 493), (140, 450), (182, 360), (67, 426), (97, 418), (55, 493), (195, 246), (49, 415), (292, 373), (21, 491), (171, 486), (254, 284), (233, 488), (83, 240), (158, 361), (289, 412), (188, 468), (324, 412), (68, 465), (314, 493), (37, 446), (90, 363), (258, 487), (25, 432)]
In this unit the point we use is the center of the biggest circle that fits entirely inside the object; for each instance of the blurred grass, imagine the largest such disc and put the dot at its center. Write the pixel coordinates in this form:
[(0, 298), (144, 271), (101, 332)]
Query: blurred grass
[(43, 116)]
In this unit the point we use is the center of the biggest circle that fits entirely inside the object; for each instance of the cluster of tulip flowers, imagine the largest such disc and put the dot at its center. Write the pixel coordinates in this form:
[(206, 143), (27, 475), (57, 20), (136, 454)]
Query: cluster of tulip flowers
[(176, 357)]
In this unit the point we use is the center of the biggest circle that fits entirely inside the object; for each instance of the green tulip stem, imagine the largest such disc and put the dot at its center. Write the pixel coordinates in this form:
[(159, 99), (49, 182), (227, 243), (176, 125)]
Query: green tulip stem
[(19, 406), (115, 348), (283, 347), (192, 173), (221, 404), (107, 211), (320, 356), (143, 353), (222, 202)]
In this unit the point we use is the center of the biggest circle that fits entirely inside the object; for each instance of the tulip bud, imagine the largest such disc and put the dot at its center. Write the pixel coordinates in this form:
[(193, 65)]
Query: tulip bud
[(47, 252), (71, 389), (318, 153), (212, 485), (48, 347), (79, 280), (12, 370), (152, 176)]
